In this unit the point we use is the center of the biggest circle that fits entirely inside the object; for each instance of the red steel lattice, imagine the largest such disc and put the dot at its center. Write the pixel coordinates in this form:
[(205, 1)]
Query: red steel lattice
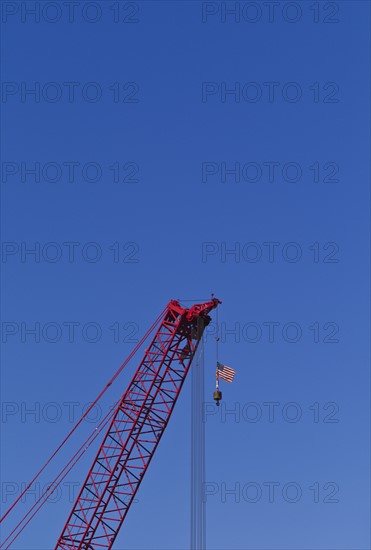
[(135, 431)]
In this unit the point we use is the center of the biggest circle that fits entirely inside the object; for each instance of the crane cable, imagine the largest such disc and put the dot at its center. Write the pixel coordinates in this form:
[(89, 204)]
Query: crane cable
[(109, 383), (81, 450), (217, 350), (197, 503), (84, 447)]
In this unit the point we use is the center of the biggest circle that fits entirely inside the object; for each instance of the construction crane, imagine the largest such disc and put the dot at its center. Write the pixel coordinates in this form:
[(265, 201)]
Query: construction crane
[(137, 426)]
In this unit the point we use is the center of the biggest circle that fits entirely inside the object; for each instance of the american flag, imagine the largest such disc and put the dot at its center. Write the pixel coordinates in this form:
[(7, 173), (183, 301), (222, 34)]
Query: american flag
[(224, 372)]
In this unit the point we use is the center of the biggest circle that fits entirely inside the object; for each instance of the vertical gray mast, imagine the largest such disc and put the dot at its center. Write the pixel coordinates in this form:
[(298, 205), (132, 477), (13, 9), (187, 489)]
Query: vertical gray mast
[(198, 504)]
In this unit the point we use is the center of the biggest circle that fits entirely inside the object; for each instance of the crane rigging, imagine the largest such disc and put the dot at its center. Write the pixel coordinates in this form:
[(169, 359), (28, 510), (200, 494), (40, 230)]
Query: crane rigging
[(135, 430), (136, 426)]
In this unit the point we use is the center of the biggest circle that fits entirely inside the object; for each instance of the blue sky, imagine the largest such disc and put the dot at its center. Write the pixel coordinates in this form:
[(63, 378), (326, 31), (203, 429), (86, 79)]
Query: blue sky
[(179, 150)]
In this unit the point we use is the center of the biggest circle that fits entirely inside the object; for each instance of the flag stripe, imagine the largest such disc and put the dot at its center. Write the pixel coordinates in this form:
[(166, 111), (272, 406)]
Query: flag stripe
[(224, 372)]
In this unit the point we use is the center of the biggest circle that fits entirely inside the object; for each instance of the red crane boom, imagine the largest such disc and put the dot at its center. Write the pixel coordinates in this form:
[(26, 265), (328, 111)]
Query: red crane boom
[(135, 431)]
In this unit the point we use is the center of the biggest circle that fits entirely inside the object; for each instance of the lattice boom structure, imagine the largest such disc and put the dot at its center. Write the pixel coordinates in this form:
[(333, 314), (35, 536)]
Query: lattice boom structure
[(135, 431)]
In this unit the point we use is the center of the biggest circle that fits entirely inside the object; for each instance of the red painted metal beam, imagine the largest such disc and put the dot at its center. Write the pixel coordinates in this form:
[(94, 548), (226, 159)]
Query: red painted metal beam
[(135, 431)]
